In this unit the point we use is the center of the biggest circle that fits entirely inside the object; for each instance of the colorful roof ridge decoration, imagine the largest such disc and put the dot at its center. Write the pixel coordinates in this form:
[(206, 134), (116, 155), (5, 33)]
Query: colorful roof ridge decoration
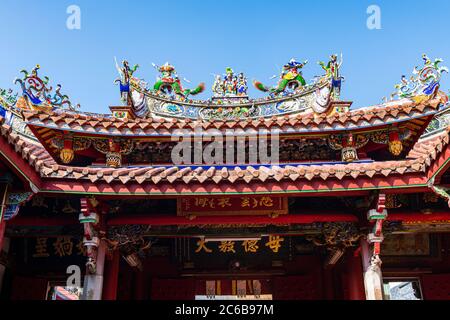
[(66, 134), (424, 81), (89, 141), (169, 83), (36, 95), (8, 98), (388, 113), (230, 101), (290, 79), (292, 95), (395, 124)]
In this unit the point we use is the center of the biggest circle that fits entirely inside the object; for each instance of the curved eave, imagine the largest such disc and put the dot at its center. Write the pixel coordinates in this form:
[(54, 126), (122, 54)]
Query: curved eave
[(346, 187), (11, 146), (429, 159), (360, 119), (398, 177)]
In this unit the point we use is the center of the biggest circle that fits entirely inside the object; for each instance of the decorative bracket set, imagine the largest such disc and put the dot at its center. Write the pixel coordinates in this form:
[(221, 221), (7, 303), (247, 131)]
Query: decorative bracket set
[(113, 148), (349, 143)]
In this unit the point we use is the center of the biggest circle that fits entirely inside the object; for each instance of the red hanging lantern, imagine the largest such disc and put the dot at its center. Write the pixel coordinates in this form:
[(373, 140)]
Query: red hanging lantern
[(349, 152), (395, 144), (114, 157), (67, 154)]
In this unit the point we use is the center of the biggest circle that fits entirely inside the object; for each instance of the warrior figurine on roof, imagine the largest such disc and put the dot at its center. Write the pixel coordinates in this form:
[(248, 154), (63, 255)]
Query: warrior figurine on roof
[(242, 86), (126, 73), (230, 82), (332, 72), (169, 83), (290, 78)]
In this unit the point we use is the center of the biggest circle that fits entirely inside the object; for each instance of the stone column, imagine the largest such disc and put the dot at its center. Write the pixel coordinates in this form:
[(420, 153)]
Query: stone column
[(93, 282), (373, 279), (95, 250)]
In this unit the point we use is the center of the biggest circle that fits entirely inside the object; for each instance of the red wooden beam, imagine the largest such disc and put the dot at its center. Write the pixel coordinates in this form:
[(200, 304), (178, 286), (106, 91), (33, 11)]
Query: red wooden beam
[(215, 220), (160, 220), (42, 222), (408, 217), (17, 164)]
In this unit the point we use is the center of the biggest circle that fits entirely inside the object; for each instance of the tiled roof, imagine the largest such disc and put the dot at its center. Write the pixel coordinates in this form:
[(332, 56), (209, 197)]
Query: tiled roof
[(419, 158), (395, 111)]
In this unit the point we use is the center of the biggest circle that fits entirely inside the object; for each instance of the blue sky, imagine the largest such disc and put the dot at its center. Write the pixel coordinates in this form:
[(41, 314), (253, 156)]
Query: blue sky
[(204, 37)]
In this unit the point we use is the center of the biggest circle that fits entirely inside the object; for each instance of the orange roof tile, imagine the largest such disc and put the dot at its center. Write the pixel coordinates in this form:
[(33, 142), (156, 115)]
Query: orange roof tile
[(392, 112), (419, 158)]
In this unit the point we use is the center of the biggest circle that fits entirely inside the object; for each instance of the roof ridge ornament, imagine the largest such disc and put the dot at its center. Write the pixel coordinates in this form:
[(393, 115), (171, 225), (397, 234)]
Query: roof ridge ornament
[(291, 79), (230, 88), (126, 74), (168, 84), (38, 95), (8, 97), (424, 81), (332, 69), (167, 98)]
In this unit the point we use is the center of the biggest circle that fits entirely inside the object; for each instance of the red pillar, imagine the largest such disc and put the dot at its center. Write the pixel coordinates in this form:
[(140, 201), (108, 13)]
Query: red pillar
[(355, 277), (139, 285), (3, 198), (328, 283), (111, 277), (2, 233)]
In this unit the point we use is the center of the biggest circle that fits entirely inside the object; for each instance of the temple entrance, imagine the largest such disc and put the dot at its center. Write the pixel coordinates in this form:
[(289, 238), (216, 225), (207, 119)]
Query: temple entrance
[(148, 257)]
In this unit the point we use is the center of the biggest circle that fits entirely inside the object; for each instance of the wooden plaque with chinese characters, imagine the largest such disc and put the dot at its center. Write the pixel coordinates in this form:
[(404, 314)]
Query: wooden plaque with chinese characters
[(242, 205)]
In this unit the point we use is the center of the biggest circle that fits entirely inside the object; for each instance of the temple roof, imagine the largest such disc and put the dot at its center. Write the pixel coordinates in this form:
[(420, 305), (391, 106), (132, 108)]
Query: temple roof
[(380, 115), (418, 161), (319, 139)]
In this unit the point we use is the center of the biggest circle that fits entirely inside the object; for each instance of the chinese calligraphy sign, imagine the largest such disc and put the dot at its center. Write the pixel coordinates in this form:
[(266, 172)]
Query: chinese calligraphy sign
[(64, 246), (242, 205), (273, 243)]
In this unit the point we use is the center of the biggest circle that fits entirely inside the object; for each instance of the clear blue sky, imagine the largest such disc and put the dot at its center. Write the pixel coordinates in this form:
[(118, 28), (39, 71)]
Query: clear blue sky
[(204, 37)]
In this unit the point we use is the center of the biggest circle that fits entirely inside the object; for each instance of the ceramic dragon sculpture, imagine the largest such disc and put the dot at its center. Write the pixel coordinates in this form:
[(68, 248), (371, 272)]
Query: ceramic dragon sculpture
[(290, 78), (169, 83)]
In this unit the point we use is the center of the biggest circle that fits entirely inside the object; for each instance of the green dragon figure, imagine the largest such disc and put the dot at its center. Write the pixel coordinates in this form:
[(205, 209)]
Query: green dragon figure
[(169, 83), (291, 78)]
